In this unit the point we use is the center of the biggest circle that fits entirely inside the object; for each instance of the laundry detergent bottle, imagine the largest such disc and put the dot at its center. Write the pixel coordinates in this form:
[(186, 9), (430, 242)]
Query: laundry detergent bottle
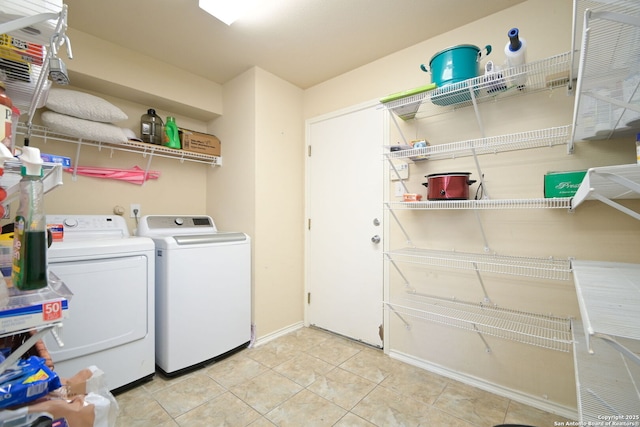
[(173, 133), (29, 267)]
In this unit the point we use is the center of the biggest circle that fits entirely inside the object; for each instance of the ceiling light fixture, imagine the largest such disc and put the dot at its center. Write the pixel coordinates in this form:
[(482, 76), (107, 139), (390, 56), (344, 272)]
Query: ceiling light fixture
[(227, 11)]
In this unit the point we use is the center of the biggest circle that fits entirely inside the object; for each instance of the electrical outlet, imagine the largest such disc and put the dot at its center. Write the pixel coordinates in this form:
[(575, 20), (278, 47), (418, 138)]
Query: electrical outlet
[(135, 210)]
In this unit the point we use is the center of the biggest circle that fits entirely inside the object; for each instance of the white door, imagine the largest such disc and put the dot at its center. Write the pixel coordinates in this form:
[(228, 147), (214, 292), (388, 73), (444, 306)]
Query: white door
[(344, 274)]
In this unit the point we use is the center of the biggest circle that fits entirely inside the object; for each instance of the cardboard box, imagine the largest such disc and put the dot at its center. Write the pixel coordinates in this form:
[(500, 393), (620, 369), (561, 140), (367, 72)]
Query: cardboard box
[(17, 50), (562, 184), (202, 143)]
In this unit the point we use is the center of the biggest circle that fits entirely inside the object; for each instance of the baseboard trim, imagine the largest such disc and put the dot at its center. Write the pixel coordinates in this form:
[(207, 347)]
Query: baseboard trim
[(277, 334), (526, 399)]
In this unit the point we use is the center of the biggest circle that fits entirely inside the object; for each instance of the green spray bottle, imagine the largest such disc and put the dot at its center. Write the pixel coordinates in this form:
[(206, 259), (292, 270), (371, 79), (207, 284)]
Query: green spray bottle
[(29, 268), (172, 132)]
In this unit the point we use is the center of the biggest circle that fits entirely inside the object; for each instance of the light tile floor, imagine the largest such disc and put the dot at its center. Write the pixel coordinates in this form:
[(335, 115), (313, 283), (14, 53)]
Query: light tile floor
[(310, 377)]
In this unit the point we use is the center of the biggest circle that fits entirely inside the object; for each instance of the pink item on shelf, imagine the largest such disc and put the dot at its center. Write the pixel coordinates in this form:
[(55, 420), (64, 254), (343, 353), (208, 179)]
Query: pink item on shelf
[(135, 175)]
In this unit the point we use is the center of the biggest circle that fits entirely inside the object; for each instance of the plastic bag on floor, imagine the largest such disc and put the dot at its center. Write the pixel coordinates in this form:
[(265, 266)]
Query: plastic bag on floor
[(84, 401)]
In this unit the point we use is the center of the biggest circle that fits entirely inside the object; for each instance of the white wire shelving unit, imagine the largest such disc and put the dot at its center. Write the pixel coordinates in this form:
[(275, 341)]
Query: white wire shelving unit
[(148, 151), (547, 74), (542, 268), (10, 180), (607, 384), (607, 100), (609, 301), (41, 311), (609, 183), (534, 329), (607, 340), (40, 22)]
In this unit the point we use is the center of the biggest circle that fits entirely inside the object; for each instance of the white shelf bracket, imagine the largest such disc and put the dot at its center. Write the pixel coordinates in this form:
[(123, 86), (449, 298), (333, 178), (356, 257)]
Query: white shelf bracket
[(404, 278), (30, 342), (74, 176), (393, 214), (407, 325), (486, 344), (615, 344)]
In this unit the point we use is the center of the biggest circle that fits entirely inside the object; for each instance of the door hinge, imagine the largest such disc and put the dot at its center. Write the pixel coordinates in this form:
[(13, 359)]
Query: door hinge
[(309, 150), (308, 297), (309, 224)]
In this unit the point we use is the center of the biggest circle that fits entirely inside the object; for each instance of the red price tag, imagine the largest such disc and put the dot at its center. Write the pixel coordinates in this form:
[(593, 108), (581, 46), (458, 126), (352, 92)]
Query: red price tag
[(52, 311)]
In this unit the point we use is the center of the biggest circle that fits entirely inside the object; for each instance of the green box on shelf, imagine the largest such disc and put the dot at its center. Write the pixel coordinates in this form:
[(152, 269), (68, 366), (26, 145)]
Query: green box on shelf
[(562, 184)]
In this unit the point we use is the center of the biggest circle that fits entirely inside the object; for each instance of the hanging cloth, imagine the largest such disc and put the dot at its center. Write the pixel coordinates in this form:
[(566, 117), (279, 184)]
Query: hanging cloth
[(135, 175)]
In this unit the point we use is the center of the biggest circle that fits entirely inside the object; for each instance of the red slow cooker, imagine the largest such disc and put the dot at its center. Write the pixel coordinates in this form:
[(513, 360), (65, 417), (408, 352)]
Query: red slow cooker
[(448, 186)]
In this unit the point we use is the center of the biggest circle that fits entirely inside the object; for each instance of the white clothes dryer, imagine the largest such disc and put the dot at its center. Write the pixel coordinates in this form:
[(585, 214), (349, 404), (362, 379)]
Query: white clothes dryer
[(203, 290), (111, 275)]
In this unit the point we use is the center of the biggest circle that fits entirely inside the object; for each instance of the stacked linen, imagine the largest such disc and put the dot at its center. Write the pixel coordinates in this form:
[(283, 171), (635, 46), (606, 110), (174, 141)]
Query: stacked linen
[(83, 116)]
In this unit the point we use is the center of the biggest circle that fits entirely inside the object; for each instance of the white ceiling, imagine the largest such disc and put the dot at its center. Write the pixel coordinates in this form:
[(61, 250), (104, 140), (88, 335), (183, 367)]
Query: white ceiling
[(302, 41)]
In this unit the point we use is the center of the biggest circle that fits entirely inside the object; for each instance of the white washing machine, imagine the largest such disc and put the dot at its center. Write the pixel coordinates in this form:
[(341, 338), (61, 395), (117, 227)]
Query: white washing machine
[(111, 321), (203, 290)]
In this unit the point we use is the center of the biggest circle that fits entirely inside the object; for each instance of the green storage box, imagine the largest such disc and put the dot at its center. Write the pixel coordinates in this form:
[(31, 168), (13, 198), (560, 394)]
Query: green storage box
[(562, 184)]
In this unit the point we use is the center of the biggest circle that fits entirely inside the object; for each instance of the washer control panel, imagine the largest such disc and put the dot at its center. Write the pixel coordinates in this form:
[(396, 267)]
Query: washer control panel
[(90, 226), (170, 225)]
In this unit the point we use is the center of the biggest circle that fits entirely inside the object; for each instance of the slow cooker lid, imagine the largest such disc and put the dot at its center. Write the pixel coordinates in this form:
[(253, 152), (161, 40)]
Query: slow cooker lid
[(435, 175)]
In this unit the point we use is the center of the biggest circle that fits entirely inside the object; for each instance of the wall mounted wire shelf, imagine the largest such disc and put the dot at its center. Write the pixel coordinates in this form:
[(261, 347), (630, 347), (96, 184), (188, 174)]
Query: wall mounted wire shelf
[(546, 74), (540, 268), (535, 329), (539, 203), (142, 148), (489, 145)]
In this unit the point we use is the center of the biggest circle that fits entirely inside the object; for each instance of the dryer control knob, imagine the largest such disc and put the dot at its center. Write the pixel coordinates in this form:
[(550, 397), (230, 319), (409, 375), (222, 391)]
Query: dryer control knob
[(179, 221), (70, 222)]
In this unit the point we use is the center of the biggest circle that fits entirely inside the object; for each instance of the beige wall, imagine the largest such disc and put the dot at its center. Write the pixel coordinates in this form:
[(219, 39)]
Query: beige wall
[(259, 189), (595, 231)]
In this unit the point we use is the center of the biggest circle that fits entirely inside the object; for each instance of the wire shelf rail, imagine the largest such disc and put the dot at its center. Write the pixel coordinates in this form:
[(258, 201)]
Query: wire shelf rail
[(535, 329), (489, 145), (539, 203), (130, 146), (541, 268)]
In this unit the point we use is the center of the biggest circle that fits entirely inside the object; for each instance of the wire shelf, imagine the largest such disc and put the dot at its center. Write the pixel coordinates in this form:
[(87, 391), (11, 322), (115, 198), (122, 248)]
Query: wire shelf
[(490, 145), (535, 329), (532, 77), (606, 383), (541, 268), (130, 146), (608, 96), (609, 297), (610, 182), (10, 179), (540, 203), (31, 24)]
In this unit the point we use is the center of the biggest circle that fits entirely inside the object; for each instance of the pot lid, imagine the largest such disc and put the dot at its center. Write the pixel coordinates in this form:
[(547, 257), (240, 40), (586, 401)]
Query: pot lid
[(433, 175), (471, 46)]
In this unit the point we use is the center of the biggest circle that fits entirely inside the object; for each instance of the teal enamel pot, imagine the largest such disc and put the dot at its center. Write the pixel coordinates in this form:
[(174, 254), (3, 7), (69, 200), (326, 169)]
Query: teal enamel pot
[(454, 65)]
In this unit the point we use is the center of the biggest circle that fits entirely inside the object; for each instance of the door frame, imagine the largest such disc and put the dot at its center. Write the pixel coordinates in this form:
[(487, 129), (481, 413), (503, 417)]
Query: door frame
[(385, 213)]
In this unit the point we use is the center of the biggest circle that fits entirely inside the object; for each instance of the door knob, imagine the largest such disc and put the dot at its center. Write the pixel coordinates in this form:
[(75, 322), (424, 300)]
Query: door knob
[(375, 239), (376, 222)]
